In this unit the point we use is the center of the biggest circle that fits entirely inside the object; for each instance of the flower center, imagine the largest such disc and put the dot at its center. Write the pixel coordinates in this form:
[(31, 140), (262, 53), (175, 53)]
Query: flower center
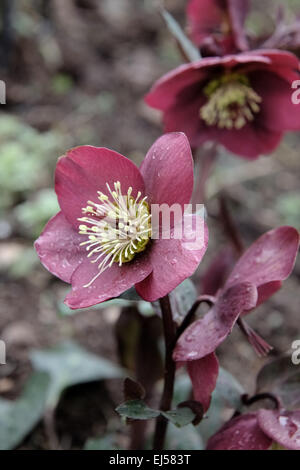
[(117, 226), (231, 102)]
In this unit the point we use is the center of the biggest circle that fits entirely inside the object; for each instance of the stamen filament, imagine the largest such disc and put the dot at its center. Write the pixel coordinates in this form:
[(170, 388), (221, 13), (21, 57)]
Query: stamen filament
[(120, 227)]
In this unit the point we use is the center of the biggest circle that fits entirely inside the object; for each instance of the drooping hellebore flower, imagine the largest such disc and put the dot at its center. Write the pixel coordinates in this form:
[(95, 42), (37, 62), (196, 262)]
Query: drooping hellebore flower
[(101, 241), (257, 275), (241, 101), (217, 26), (259, 430)]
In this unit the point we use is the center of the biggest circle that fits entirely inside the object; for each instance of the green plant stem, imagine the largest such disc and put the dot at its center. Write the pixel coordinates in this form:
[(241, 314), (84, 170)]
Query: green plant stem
[(169, 373)]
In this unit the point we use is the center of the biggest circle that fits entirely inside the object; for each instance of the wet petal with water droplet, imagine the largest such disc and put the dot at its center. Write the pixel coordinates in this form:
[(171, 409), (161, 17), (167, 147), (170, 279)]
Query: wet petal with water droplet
[(203, 374), (58, 247), (267, 262), (283, 427), (241, 433), (205, 335)]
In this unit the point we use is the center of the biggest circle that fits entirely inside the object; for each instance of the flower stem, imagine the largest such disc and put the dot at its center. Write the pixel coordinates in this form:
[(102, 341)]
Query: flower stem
[(210, 299), (230, 227), (169, 374), (248, 401)]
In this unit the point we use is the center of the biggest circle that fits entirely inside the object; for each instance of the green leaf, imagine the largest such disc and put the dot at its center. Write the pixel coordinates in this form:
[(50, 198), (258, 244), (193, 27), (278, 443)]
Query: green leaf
[(68, 364), (182, 298), (65, 311), (281, 377), (21, 167), (130, 294), (288, 207), (18, 418), (188, 48), (180, 417), (182, 389), (183, 439), (102, 443), (229, 389), (33, 214), (136, 409), (226, 398)]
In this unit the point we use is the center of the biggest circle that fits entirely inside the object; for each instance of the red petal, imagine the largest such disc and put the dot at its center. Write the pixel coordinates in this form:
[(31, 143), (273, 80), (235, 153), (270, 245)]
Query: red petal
[(58, 247), (282, 427), (277, 95), (283, 63), (165, 90), (217, 272), (174, 260), (111, 283), (184, 116), (238, 10), (168, 171), (241, 433), (205, 335), (204, 374), (251, 141), (86, 170), (270, 259), (204, 17), (267, 290)]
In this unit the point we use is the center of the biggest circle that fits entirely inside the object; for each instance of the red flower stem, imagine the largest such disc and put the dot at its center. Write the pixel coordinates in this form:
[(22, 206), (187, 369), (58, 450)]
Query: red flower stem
[(248, 401), (230, 227), (169, 330), (191, 313), (137, 434)]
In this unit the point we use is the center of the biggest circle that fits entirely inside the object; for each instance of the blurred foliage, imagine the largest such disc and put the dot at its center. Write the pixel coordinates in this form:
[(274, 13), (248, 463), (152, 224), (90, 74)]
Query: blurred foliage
[(33, 214), (27, 201), (62, 83), (25, 262), (69, 364), (288, 208), (263, 14), (54, 370), (186, 439), (20, 416), (107, 442), (26, 158), (281, 378)]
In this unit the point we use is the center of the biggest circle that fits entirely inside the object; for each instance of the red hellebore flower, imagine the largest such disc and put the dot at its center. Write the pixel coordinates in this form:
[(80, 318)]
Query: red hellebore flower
[(242, 101), (259, 431), (100, 241), (256, 276), (218, 25)]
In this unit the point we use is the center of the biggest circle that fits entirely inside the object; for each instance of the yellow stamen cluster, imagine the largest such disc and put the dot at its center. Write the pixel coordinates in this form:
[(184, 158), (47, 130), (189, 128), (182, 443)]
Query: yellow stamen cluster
[(118, 227), (231, 102)]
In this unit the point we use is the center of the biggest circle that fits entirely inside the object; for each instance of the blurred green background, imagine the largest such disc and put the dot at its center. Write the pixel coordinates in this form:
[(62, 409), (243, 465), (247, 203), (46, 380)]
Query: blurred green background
[(76, 72)]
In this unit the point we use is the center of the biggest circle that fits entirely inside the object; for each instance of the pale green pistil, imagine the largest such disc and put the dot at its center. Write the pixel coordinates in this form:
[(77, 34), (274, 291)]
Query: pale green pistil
[(231, 102), (117, 227)]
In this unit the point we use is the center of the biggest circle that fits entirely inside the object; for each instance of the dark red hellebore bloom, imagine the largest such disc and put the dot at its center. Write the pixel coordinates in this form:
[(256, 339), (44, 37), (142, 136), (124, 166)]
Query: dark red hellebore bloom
[(218, 25), (242, 101), (101, 240)]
